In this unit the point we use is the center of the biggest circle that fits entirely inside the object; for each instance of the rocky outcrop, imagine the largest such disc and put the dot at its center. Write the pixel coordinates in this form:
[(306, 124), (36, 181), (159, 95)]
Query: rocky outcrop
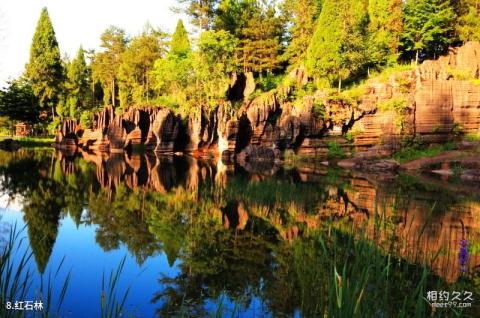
[(165, 129), (154, 127), (431, 103), (66, 137)]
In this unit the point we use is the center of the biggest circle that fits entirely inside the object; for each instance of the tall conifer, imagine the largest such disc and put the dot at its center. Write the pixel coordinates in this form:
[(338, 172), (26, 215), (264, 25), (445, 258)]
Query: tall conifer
[(44, 69)]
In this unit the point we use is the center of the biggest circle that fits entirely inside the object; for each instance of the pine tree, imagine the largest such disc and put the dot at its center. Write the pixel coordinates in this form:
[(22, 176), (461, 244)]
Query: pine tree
[(180, 44), (337, 48), (468, 26), (44, 69), (202, 12), (107, 62), (77, 86), (385, 27), (233, 15), (173, 72), (301, 15), (428, 27), (259, 45)]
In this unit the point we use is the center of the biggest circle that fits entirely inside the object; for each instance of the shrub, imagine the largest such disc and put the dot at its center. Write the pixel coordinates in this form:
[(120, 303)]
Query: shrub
[(335, 150)]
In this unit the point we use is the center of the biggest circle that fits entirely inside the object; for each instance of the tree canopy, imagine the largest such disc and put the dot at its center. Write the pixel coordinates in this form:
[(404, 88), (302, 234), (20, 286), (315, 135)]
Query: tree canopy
[(336, 41)]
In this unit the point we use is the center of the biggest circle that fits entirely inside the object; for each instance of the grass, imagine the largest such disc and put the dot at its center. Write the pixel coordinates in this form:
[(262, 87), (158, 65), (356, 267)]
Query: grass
[(110, 306), (17, 280), (472, 137), (31, 142), (415, 152)]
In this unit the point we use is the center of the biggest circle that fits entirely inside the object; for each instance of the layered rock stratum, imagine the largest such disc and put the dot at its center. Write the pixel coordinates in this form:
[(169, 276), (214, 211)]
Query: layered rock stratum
[(431, 103)]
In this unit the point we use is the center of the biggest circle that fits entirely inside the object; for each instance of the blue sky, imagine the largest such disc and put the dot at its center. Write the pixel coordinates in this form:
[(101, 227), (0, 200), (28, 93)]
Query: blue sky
[(76, 23)]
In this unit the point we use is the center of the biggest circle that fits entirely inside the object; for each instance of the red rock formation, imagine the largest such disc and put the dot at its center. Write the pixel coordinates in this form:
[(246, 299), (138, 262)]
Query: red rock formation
[(430, 104), (165, 129)]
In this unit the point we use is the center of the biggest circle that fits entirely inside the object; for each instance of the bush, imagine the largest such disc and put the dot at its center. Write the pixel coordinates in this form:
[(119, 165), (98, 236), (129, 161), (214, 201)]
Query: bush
[(397, 104), (335, 150), (416, 152)]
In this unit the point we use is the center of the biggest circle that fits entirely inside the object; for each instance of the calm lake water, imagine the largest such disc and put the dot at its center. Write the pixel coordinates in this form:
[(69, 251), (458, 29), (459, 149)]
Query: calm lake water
[(203, 238)]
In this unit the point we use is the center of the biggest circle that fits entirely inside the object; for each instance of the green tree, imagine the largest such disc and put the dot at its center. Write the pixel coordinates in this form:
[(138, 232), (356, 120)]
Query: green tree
[(18, 102), (135, 71), (428, 27), (233, 15), (337, 48), (174, 72), (201, 12), (213, 65), (301, 16), (180, 44), (107, 62), (384, 30), (468, 25), (77, 86), (44, 69), (260, 41)]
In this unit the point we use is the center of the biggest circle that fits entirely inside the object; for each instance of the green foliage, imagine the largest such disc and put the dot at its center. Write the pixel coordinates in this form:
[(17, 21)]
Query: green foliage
[(457, 130), (180, 44), (34, 142), (259, 45), (472, 137), (337, 48), (19, 103), (428, 27), (301, 15), (268, 82), (318, 109), (213, 64), (335, 150), (135, 75), (173, 73), (77, 87), (397, 104), (44, 69), (233, 15), (86, 118), (201, 12), (468, 26), (384, 29), (106, 63), (415, 152)]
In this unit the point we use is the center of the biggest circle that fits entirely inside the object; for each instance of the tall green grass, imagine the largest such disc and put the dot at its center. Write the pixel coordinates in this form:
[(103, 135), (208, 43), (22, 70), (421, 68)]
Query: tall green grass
[(17, 280)]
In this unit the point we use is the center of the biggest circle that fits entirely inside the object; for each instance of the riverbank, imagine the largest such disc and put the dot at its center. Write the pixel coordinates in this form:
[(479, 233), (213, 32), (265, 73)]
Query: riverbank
[(30, 142)]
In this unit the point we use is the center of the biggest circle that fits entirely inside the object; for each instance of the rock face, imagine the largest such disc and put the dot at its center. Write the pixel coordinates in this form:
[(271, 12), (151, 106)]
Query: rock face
[(431, 103), (165, 129), (66, 137), (442, 99), (154, 127)]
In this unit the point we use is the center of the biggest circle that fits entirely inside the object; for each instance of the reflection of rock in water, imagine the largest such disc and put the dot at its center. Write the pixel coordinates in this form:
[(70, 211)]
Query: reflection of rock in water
[(67, 162), (423, 224), (421, 230)]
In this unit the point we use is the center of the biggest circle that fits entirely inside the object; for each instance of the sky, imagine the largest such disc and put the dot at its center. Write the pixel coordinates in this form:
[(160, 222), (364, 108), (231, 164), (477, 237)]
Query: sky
[(75, 22)]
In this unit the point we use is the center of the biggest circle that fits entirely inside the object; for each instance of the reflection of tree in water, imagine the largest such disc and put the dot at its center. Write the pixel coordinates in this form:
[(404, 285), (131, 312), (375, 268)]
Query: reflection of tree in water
[(121, 219), (42, 209)]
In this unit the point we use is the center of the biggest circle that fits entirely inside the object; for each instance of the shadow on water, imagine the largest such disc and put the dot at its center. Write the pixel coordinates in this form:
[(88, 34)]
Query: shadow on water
[(306, 241)]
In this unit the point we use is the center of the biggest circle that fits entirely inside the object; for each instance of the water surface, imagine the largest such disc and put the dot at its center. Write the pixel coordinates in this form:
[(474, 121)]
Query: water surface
[(200, 235)]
